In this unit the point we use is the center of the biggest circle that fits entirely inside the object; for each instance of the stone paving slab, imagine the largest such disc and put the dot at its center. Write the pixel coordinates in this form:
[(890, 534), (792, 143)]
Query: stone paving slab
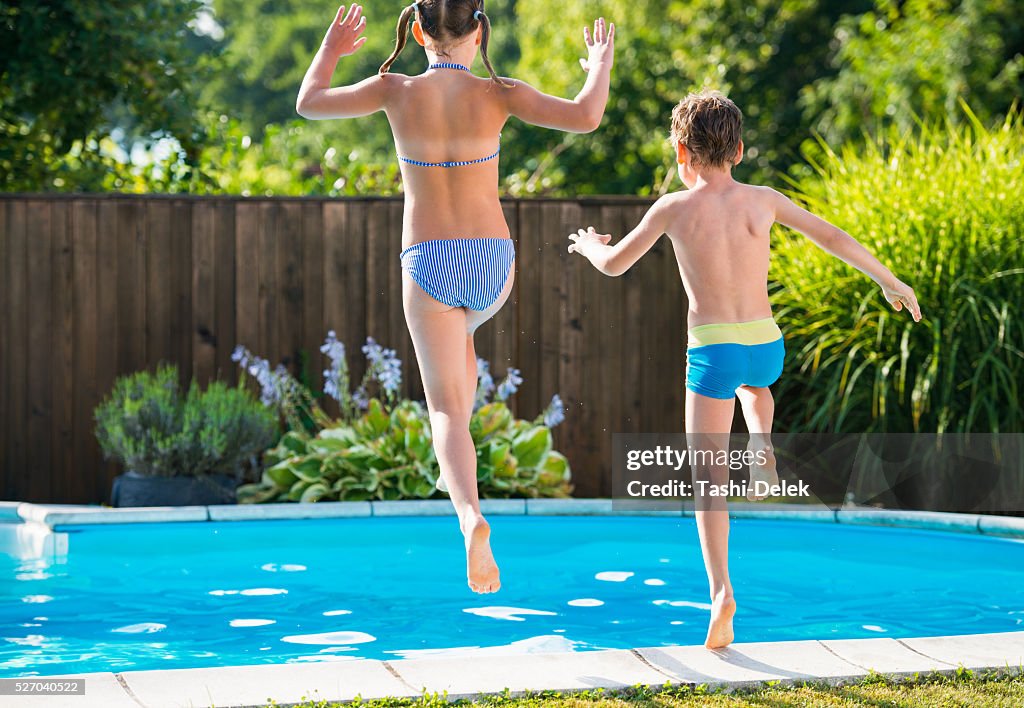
[(413, 507), (572, 507), (54, 515), (467, 676), (885, 656), (257, 685), (102, 690), (752, 663), (319, 510), (781, 512), (973, 651), (1002, 525)]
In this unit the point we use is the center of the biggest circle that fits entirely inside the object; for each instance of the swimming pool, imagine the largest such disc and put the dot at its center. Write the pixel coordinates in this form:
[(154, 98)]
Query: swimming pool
[(176, 595)]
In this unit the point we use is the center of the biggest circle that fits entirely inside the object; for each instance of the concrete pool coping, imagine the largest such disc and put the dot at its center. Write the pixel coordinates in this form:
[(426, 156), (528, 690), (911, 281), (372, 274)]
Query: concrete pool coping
[(468, 673), (54, 516)]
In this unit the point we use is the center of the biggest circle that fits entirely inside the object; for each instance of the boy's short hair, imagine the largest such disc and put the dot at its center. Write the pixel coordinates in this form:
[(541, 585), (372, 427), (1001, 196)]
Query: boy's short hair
[(710, 126)]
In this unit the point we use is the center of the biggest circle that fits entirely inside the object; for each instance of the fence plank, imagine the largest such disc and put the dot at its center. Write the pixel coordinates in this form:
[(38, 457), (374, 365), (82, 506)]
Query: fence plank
[(158, 275), (529, 305), (16, 326), (312, 244), (5, 348), (247, 276), (39, 292), (131, 285), (203, 295), (378, 309), (181, 289), (79, 481), (61, 363), (290, 287), (107, 322), (224, 335)]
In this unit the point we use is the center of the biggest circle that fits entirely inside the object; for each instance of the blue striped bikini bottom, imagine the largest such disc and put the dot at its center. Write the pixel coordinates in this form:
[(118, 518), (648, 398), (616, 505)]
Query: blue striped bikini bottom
[(461, 272)]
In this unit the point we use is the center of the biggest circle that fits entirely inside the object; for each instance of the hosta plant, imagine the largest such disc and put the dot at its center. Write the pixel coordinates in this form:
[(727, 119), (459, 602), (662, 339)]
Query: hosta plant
[(381, 446)]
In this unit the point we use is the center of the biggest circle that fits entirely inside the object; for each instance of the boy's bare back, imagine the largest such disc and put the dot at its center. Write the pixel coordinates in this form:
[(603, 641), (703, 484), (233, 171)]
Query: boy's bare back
[(720, 235)]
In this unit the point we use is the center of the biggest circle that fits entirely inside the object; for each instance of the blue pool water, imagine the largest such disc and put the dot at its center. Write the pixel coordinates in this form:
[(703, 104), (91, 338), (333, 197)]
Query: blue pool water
[(150, 596)]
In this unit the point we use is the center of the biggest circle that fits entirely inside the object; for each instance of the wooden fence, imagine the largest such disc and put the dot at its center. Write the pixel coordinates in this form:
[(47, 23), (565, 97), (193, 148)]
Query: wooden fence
[(99, 286)]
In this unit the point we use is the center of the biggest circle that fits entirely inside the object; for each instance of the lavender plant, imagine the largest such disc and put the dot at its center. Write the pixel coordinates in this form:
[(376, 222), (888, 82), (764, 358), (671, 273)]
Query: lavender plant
[(380, 447)]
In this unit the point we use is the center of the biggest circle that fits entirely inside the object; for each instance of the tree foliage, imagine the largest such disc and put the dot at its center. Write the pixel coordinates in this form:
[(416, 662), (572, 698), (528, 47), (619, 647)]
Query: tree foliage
[(84, 86), (72, 74)]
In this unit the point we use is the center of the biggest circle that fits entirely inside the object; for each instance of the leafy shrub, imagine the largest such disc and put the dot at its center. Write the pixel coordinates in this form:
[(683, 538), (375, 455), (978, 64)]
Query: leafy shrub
[(149, 427), (942, 208), (381, 447)]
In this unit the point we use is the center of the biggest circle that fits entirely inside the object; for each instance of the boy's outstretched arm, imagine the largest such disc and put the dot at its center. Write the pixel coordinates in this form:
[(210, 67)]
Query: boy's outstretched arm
[(616, 260), (843, 246)]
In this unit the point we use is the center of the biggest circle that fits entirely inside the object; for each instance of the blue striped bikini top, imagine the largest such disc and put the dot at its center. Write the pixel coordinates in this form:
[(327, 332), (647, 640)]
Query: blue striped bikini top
[(458, 163)]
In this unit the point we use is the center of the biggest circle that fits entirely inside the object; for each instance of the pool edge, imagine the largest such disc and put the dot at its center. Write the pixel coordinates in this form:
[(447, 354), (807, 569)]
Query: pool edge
[(55, 516), (472, 674)]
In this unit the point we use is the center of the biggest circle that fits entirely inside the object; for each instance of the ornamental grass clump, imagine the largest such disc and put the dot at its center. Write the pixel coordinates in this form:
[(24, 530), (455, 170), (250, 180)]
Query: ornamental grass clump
[(943, 208)]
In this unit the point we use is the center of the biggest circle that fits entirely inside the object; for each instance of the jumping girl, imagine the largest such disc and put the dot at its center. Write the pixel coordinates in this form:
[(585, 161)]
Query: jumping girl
[(458, 258)]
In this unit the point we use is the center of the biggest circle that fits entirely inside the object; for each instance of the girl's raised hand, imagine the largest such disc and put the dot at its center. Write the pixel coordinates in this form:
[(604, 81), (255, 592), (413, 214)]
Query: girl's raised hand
[(600, 45), (342, 37)]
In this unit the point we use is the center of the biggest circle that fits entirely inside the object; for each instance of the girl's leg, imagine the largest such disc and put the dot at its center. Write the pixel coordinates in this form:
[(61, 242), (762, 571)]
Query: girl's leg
[(759, 414), (708, 422), (439, 336), (476, 318)]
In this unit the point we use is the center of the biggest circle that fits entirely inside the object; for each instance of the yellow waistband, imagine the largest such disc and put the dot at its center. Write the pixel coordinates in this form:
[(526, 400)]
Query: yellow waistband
[(749, 333)]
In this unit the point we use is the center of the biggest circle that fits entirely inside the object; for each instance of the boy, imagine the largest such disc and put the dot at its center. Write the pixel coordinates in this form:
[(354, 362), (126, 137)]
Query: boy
[(720, 234)]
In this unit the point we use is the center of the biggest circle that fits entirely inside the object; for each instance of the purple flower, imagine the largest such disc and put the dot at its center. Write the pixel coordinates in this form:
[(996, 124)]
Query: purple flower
[(554, 414), (510, 385), (384, 366), (485, 383), (336, 377), (259, 369)]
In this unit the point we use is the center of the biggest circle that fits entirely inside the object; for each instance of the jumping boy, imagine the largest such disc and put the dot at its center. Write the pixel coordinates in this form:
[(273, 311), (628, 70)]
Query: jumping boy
[(720, 234)]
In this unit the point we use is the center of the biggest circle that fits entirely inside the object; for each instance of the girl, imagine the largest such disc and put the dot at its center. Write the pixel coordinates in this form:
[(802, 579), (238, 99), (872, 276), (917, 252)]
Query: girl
[(458, 257)]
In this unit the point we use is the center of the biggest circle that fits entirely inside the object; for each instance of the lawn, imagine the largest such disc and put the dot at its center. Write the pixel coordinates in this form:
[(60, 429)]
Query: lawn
[(963, 689)]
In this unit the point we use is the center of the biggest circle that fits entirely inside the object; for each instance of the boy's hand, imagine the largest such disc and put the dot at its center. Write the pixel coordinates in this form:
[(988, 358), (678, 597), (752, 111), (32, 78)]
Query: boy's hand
[(600, 46), (901, 295), (582, 238), (343, 37)]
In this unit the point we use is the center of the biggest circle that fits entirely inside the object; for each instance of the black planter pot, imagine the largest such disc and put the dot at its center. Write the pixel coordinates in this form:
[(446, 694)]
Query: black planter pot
[(134, 489)]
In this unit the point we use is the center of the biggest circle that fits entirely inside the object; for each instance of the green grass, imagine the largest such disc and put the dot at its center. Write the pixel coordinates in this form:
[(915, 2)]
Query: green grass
[(963, 689), (942, 208)]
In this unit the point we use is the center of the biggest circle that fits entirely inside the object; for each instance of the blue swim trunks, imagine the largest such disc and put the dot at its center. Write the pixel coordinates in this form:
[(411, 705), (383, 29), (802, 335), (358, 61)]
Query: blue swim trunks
[(722, 357)]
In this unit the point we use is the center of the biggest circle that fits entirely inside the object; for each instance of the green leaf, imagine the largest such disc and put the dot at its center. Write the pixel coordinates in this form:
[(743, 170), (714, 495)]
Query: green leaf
[(282, 475), (491, 419), (531, 446), (314, 492)]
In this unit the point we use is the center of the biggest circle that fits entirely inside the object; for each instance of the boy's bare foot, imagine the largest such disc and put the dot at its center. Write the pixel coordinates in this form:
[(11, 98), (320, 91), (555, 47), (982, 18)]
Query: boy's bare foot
[(720, 634), (481, 570), (767, 473)]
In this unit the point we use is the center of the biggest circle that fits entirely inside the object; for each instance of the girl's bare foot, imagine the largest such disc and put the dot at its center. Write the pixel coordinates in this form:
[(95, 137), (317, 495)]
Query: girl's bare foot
[(481, 570), (723, 608), (766, 473)]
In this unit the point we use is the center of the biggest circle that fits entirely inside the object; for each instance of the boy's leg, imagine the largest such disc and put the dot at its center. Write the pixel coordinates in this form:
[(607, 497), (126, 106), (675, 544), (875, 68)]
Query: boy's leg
[(759, 413), (708, 422)]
